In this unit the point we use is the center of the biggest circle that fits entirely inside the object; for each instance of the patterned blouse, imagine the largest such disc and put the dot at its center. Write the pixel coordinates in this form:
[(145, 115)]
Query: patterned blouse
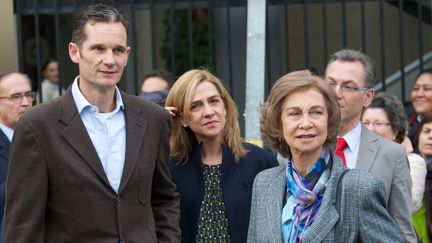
[(212, 222)]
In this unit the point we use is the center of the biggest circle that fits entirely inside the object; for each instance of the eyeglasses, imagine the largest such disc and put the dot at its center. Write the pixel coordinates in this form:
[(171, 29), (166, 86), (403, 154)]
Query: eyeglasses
[(346, 88), (30, 96), (376, 124)]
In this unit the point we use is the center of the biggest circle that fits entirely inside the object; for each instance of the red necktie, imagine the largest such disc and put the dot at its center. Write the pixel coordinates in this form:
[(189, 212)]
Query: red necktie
[(340, 146)]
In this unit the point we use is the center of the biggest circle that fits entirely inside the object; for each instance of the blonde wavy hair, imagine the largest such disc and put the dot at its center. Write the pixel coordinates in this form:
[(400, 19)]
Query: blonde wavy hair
[(181, 96)]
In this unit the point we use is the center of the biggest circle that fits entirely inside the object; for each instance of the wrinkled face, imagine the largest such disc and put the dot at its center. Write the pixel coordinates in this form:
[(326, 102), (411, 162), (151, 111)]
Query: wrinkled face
[(102, 56), (421, 94), (207, 115), (12, 109), (51, 72), (153, 84), (376, 120), (425, 140), (304, 122), (351, 101)]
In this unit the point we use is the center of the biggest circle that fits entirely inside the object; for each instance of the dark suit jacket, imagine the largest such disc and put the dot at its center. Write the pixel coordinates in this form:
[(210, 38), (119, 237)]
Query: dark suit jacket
[(4, 157), (57, 190), (237, 181)]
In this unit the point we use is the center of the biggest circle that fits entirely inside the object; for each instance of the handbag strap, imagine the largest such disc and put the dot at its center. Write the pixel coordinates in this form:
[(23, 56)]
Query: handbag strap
[(338, 203)]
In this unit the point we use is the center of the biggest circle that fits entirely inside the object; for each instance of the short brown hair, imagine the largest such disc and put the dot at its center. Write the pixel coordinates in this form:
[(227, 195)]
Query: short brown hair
[(98, 13), (395, 111), (271, 111), (181, 96)]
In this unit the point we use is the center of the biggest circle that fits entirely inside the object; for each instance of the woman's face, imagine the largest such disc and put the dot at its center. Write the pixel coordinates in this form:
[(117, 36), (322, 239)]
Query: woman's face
[(304, 122), (421, 94), (425, 140), (376, 120), (51, 72), (207, 115)]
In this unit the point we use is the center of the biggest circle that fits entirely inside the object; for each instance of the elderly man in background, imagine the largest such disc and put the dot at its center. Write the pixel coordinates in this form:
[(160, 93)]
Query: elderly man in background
[(15, 98)]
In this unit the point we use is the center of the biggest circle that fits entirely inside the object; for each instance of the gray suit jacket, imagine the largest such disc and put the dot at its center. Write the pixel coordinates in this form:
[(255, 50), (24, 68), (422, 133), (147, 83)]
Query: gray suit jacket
[(388, 161), (363, 218)]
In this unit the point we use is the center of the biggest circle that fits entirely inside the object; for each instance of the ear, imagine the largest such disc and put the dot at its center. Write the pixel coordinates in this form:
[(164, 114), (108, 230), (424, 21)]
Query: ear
[(370, 93), (128, 50), (74, 53), (183, 122)]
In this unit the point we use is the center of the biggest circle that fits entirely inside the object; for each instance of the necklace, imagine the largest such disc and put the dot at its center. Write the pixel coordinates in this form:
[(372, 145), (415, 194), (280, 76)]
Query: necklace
[(306, 223)]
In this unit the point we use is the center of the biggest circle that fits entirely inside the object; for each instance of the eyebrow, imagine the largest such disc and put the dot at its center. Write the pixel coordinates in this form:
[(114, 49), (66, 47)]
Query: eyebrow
[(104, 46), (210, 97), (344, 81), (298, 108)]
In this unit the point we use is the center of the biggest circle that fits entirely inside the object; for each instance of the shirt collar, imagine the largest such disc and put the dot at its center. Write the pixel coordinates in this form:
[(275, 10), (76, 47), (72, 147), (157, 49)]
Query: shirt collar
[(353, 137), (7, 131), (82, 103)]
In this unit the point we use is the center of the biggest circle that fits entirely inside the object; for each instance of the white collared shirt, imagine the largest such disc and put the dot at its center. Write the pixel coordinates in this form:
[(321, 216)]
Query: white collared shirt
[(107, 132), (7, 131), (353, 139)]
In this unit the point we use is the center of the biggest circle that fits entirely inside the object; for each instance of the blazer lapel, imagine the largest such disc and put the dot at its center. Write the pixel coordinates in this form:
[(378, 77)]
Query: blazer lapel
[(4, 146), (327, 215), (368, 150), (135, 130), (76, 135), (275, 197)]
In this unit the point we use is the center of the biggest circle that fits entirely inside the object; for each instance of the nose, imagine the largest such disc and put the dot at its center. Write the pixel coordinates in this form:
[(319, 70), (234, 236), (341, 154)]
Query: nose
[(338, 90), (420, 92), (306, 122), (109, 58), (25, 101), (208, 110)]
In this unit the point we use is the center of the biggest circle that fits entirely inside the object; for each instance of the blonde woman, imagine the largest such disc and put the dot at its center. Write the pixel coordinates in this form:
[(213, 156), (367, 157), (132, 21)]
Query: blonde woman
[(212, 166)]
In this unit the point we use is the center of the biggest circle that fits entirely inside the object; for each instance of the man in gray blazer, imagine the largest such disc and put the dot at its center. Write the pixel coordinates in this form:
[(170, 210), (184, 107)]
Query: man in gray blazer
[(352, 74), (93, 164)]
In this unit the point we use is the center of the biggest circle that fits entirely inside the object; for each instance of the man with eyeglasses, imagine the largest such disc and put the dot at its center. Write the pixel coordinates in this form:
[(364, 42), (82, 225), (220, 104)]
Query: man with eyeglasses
[(15, 98), (352, 74)]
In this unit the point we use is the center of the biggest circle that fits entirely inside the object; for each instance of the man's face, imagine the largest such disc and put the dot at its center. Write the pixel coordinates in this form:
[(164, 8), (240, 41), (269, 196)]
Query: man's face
[(351, 101), (12, 109), (102, 56)]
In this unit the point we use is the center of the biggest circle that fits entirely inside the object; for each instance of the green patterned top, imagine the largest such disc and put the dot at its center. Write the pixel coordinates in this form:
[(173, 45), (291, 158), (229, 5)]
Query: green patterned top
[(212, 222)]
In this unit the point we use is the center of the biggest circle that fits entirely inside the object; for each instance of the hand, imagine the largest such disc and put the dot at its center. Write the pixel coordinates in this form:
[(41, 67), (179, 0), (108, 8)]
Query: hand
[(172, 110)]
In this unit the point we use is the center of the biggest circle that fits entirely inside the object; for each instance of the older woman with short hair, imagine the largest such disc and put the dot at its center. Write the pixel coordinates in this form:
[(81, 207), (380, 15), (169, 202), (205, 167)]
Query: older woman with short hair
[(296, 202)]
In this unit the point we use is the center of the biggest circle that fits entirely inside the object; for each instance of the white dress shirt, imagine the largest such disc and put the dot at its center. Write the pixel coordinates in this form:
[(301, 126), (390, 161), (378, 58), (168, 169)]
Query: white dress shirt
[(352, 138), (107, 132)]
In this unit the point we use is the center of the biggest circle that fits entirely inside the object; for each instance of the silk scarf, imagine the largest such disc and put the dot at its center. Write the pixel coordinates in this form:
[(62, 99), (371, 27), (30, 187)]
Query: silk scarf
[(304, 194)]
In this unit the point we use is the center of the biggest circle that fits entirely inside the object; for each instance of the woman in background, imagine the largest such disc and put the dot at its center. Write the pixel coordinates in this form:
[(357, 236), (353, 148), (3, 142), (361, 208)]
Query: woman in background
[(421, 96), (212, 166), (386, 117), (50, 83)]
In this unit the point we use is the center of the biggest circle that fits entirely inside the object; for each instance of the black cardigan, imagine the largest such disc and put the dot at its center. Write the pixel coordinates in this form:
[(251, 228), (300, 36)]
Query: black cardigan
[(237, 180)]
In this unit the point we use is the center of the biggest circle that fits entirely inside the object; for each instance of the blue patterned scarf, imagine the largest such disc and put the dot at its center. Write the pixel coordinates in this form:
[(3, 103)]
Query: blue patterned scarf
[(305, 194)]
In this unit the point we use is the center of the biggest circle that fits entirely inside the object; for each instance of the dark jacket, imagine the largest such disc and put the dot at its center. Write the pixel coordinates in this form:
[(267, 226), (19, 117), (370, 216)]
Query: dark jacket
[(237, 180), (57, 190), (4, 157)]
